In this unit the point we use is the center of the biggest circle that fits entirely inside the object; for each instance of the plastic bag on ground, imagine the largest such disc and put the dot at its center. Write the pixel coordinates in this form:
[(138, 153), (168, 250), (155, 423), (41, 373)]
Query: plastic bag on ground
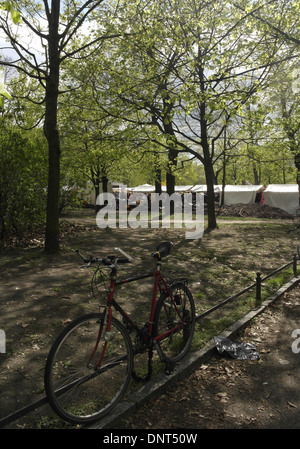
[(236, 350)]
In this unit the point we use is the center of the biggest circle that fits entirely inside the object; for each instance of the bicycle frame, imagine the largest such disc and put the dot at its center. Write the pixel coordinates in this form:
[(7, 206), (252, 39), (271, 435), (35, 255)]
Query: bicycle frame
[(159, 279), (159, 285)]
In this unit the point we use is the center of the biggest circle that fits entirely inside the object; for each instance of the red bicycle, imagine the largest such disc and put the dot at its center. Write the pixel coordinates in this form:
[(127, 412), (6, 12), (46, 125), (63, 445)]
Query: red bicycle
[(92, 361)]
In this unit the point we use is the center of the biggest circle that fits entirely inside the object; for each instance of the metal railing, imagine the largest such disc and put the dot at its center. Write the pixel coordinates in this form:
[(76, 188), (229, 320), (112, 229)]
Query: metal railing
[(257, 285)]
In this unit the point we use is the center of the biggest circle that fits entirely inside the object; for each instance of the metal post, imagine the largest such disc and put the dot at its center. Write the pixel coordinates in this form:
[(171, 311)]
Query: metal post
[(295, 258), (258, 288)]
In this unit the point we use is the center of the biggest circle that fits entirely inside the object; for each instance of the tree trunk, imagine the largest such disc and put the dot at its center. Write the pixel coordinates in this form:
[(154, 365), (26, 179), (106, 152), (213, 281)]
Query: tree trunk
[(209, 174), (172, 153), (52, 133), (104, 180), (157, 174), (207, 159), (170, 178), (208, 166), (158, 181), (52, 223), (297, 165)]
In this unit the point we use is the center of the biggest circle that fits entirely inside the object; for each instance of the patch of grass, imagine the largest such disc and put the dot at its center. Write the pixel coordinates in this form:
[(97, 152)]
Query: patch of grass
[(211, 326), (274, 283), (52, 422)]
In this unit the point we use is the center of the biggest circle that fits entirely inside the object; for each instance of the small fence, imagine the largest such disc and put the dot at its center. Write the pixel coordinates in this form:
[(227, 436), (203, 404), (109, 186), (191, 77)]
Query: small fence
[(257, 285)]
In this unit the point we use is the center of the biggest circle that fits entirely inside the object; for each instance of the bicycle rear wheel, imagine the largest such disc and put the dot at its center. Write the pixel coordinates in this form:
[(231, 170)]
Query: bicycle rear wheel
[(79, 391), (175, 312)]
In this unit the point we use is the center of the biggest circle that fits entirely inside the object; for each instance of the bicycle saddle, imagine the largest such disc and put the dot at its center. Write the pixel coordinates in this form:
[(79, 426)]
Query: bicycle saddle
[(162, 250)]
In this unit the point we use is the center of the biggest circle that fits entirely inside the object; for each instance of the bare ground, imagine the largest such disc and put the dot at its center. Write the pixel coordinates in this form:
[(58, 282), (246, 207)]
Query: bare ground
[(39, 294)]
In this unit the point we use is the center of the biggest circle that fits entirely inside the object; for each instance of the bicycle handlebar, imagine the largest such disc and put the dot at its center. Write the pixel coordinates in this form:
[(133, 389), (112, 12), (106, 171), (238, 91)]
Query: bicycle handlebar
[(130, 259), (109, 260), (162, 250)]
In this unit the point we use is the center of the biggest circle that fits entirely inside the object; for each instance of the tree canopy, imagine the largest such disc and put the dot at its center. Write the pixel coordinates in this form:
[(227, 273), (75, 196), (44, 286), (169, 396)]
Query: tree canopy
[(119, 82)]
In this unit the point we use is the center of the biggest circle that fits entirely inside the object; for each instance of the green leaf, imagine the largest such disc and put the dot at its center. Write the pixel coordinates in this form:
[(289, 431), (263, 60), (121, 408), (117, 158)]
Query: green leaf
[(8, 6), (15, 15), (3, 91)]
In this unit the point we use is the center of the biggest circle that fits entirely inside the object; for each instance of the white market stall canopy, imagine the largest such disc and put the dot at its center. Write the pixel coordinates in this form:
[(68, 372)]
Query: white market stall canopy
[(233, 193), (148, 188), (203, 188), (145, 188), (283, 196), (244, 194)]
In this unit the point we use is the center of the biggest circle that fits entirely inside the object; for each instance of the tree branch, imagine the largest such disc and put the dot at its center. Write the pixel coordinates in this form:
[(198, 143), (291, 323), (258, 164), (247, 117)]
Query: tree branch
[(270, 25)]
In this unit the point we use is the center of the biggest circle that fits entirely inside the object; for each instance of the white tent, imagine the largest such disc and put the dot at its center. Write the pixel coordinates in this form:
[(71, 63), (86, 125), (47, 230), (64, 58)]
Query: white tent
[(148, 188), (203, 188), (183, 189), (244, 194), (145, 188), (283, 196)]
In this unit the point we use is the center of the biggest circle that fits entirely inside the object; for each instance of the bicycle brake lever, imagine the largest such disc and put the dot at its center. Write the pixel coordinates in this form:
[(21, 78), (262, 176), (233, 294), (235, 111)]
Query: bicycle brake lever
[(124, 254), (85, 265)]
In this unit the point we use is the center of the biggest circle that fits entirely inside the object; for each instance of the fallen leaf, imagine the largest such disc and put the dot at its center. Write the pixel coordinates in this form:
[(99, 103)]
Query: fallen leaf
[(264, 351), (268, 395), (222, 395)]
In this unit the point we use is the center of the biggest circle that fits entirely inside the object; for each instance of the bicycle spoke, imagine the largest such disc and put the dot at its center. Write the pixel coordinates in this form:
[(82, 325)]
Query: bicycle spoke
[(78, 390), (174, 322)]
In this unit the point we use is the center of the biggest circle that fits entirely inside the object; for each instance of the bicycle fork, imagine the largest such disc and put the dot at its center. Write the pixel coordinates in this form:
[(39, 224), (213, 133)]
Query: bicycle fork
[(107, 336)]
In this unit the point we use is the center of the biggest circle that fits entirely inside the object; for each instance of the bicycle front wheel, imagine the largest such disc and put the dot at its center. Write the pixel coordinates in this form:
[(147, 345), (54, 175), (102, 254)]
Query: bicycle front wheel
[(174, 322), (78, 388)]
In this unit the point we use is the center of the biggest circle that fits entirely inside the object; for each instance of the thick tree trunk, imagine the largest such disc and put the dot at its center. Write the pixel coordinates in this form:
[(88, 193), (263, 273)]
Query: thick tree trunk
[(207, 159), (52, 133), (209, 174), (52, 223)]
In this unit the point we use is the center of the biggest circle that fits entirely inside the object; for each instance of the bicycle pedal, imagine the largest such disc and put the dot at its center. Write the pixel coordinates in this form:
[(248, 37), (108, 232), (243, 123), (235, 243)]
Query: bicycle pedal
[(177, 299)]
